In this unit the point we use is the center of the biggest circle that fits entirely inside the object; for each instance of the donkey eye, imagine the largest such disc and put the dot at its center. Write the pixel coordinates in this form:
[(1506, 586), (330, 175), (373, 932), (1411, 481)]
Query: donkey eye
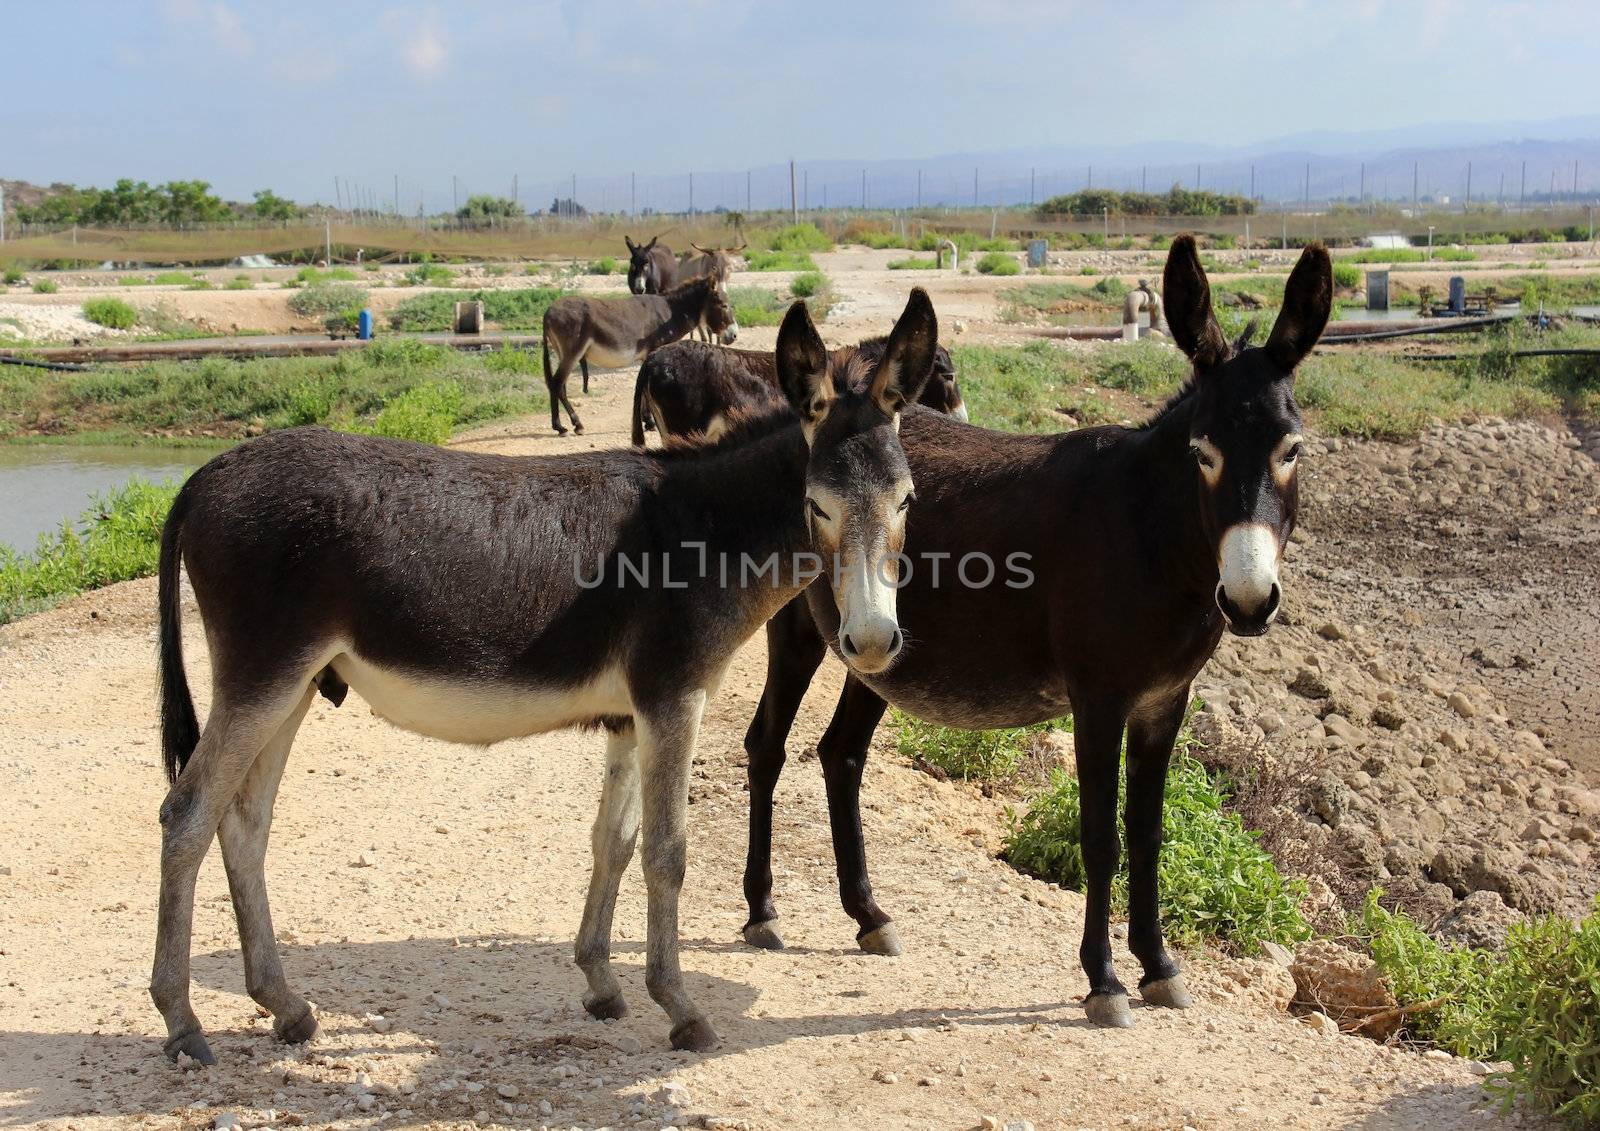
[(818, 511), (905, 504), (1202, 456), (1292, 454)]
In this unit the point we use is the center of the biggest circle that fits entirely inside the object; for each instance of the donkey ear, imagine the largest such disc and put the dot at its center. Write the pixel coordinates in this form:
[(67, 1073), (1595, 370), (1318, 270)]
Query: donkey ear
[(1187, 296), (908, 357), (803, 366), (629, 241), (1307, 303), (652, 243)]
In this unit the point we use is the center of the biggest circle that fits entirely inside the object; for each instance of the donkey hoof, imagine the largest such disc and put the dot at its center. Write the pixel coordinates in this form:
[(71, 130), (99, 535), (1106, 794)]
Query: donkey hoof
[(299, 1031), (884, 940), (695, 1036), (1109, 1011), (1168, 992), (577, 429), (611, 1008), (560, 431), (764, 935), (192, 1045)]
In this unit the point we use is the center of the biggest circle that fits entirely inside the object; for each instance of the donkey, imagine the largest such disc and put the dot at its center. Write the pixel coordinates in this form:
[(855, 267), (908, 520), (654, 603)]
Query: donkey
[(1128, 552), (652, 269), (689, 387), (620, 331), (466, 596), (706, 261)]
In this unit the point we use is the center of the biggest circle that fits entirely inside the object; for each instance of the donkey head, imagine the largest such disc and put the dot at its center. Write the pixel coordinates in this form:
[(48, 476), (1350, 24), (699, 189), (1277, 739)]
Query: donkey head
[(858, 484), (1245, 431), (640, 265), (719, 316)]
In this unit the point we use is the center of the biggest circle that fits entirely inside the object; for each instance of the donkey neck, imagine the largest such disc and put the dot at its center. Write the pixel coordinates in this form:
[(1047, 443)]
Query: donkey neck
[(1170, 507), (685, 307)]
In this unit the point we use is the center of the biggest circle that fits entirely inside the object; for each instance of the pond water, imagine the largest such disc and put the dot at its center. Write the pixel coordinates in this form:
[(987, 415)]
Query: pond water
[(43, 484)]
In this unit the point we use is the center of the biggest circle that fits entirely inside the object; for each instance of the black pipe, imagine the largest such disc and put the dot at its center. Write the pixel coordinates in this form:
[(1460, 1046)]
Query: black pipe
[(62, 366)]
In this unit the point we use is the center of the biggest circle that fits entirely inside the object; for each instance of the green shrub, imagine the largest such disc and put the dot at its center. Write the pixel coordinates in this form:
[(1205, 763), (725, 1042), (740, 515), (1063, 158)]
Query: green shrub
[(322, 299), (1346, 275), (239, 283), (996, 263), (308, 276), (45, 287), (116, 539), (1216, 881), (800, 237), (112, 313), (982, 755), (780, 260), (175, 279), (808, 284), (757, 306), (12, 276), (429, 275), (343, 321), (913, 264), (509, 309), (605, 266), (426, 413), (308, 401)]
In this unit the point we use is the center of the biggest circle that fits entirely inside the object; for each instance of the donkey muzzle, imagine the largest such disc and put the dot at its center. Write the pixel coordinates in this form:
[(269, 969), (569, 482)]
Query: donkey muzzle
[(1248, 594)]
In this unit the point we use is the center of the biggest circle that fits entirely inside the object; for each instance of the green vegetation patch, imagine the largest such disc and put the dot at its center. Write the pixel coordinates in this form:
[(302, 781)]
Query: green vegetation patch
[(758, 306), (429, 275), (519, 309), (913, 264), (112, 313), (999, 263), (970, 755), (777, 260), (322, 299)]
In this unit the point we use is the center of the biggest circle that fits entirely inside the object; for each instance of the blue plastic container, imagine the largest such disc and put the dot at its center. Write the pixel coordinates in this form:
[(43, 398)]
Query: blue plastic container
[(364, 326)]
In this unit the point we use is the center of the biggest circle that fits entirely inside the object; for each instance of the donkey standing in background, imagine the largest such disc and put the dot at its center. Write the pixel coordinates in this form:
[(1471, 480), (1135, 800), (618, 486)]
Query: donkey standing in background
[(1143, 546), (690, 387), (470, 597), (701, 262), (618, 331), (652, 269)]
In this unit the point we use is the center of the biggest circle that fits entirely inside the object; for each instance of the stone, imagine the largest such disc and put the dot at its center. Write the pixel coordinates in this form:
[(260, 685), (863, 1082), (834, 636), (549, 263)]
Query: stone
[(988, 1123), (1321, 1023), (507, 1091), (1451, 740), (673, 1094), (1467, 870), (1329, 799), (1345, 986), (1309, 685), (377, 1022), (226, 1121), (1341, 727), (1331, 631), (1461, 705), (884, 1076), (1481, 920), (1388, 717)]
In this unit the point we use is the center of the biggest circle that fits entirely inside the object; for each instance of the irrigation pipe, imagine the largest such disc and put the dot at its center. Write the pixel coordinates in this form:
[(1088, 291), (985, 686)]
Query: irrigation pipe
[(6, 359)]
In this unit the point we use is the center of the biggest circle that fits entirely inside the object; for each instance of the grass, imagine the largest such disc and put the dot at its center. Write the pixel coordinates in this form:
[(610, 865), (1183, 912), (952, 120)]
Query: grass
[(11, 276), (970, 755), (520, 309), (1061, 303), (1408, 255), (239, 283), (808, 284), (322, 299), (998, 263), (45, 287), (112, 313), (605, 266), (1216, 881), (310, 276), (429, 275), (218, 396), (913, 264), (1346, 274), (793, 237), (758, 306), (780, 260), (116, 539)]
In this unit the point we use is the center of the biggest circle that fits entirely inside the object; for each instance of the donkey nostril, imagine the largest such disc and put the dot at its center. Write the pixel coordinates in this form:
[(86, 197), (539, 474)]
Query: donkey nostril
[(1273, 598), (895, 641), (848, 644)]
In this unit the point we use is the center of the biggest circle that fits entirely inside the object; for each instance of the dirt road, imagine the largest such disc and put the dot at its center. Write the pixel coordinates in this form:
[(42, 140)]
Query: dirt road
[(439, 888)]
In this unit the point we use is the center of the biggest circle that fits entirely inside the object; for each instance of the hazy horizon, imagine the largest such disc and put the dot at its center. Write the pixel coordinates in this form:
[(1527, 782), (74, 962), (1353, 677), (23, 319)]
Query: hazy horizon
[(291, 96)]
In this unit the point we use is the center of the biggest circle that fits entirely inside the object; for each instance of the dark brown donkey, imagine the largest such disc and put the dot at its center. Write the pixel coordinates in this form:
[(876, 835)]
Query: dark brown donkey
[(477, 598), (1091, 572), (618, 331), (652, 268), (689, 388), (706, 261)]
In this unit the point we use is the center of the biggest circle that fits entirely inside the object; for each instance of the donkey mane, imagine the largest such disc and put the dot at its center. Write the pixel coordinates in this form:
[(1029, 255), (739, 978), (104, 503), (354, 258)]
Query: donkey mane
[(1178, 399), (699, 282), (742, 428)]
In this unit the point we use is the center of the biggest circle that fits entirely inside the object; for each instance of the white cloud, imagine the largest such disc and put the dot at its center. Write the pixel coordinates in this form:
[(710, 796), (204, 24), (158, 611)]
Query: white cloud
[(424, 48)]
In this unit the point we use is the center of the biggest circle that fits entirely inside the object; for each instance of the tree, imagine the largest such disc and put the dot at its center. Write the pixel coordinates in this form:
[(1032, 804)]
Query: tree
[(270, 206), (485, 207), (561, 206)]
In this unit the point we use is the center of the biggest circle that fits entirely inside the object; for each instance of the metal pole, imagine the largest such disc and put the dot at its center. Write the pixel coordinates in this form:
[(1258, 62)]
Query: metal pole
[(1468, 202), (1252, 182), (455, 194), (794, 205), (1522, 194), (1030, 186), (747, 190), (805, 190), (1308, 184), (974, 187), (1430, 243), (1415, 166), (1145, 169), (397, 194), (691, 194), (1363, 196), (3, 214), (863, 190), (327, 235), (338, 201), (919, 188)]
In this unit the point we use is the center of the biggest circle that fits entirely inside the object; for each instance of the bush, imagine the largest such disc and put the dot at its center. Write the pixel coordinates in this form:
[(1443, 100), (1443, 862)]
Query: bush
[(429, 275), (116, 539), (800, 237), (239, 283), (45, 287), (913, 264), (12, 276), (426, 413), (175, 279), (519, 309), (996, 263), (1216, 881), (1346, 275), (780, 260), (606, 266), (308, 276), (982, 755), (112, 313), (808, 284), (322, 299)]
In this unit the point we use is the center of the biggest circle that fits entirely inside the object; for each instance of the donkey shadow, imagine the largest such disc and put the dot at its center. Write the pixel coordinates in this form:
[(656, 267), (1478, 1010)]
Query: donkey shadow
[(502, 995)]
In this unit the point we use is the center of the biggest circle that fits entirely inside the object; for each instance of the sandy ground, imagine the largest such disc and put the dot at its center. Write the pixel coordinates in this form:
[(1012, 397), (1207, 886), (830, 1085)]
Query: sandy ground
[(459, 935)]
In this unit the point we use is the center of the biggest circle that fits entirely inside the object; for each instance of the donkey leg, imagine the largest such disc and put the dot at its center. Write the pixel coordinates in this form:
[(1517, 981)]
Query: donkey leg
[(1151, 734), (1099, 742), (794, 649), (667, 740), (584, 362), (616, 828), (243, 834), (229, 745), (843, 753)]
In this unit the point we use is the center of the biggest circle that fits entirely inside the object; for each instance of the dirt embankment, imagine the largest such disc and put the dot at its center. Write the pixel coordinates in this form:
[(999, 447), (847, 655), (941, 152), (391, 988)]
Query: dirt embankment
[(458, 932)]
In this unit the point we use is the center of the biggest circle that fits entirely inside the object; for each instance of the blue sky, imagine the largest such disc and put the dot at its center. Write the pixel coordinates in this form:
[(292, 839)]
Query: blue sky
[(251, 94)]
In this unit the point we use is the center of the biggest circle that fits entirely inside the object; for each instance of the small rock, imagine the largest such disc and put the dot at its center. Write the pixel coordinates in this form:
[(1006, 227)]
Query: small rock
[(1437, 1054), (1388, 718), (673, 1094), (226, 1121), (1331, 631), (366, 1101), (928, 1082), (1481, 920), (377, 1022), (630, 1045), (1461, 705), (1310, 685), (883, 1076), (507, 1091), (1018, 1125), (1451, 740), (1344, 983), (988, 1123), (1321, 1023)]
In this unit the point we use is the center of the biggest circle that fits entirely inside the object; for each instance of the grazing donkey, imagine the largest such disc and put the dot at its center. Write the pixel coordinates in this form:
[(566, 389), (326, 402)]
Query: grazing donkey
[(689, 387), (1140, 545), (472, 598), (620, 331), (652, 269)]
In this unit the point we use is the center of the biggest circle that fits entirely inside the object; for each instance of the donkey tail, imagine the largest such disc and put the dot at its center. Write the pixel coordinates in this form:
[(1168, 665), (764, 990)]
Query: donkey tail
[(544, 345), (180, 730), (638, 405)]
